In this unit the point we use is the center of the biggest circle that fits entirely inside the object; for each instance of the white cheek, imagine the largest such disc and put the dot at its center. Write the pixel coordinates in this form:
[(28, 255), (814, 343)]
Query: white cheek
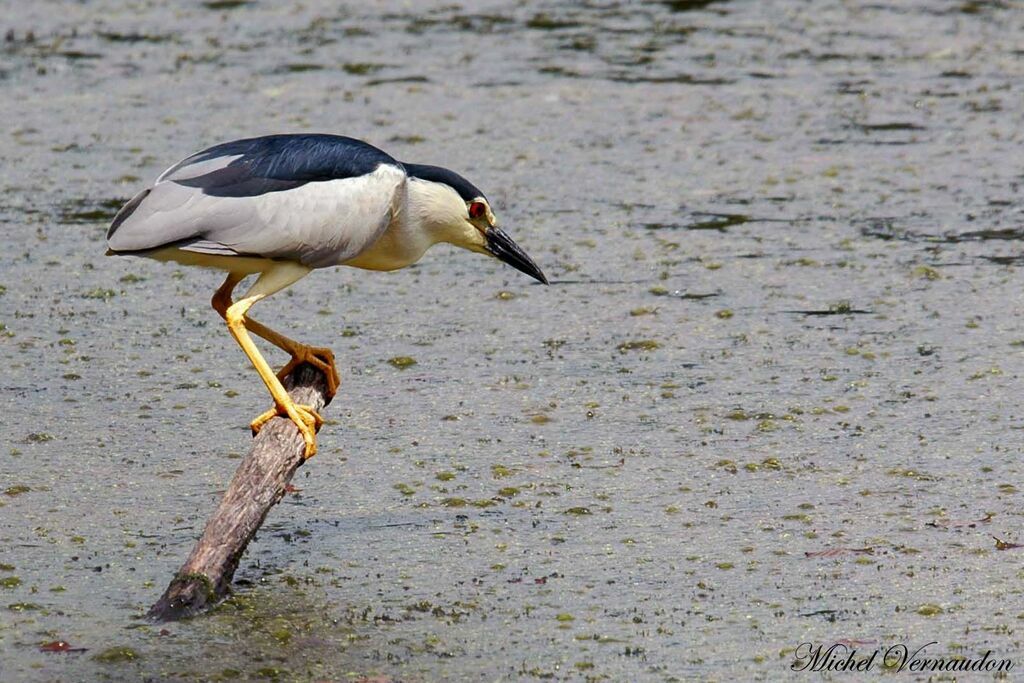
[(478, 238)]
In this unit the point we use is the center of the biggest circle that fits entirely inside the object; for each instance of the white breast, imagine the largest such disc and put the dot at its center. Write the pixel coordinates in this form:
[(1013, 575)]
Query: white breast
[(327, 223)]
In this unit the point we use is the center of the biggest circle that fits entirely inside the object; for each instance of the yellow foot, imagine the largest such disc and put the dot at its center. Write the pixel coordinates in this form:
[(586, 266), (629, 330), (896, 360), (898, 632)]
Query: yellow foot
[(320, 358), (305, 418)]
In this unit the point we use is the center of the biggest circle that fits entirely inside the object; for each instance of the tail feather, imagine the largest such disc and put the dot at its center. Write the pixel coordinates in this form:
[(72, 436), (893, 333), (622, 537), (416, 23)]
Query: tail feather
[(126, 211)]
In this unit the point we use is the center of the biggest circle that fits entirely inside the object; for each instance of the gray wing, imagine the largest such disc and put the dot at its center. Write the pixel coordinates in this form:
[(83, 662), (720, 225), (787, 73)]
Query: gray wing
[(319, 200)]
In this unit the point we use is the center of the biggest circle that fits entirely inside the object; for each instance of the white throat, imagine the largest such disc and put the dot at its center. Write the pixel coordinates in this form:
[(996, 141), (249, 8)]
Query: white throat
[(419, 222)]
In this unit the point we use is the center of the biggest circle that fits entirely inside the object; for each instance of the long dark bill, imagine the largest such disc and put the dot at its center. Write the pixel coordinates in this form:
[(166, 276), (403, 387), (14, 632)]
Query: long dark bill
[(503, 248)]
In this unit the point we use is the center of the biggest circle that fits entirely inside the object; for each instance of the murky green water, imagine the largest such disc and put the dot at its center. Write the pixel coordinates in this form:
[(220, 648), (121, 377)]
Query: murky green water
[(783, 329)]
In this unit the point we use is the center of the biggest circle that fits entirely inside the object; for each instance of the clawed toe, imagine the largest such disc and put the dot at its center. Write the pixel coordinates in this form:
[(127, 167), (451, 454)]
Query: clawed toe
[(307, 420), (320, 358)]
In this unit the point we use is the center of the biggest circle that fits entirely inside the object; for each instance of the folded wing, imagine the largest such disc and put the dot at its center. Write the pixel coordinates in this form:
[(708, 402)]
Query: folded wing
[(317, 199)]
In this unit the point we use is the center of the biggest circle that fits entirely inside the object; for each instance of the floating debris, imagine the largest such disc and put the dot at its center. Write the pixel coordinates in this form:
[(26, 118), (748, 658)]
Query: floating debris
[(225, 4), (639, 345), (839, 552), (60, 646), (1003, 545), (116, 655), (86, 211)]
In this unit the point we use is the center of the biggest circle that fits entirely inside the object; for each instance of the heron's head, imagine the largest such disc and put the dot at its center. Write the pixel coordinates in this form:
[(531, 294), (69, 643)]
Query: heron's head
[(454, 211)]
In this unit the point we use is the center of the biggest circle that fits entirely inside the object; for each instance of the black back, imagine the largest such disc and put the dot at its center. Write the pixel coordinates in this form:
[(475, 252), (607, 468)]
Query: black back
[(281, 162)]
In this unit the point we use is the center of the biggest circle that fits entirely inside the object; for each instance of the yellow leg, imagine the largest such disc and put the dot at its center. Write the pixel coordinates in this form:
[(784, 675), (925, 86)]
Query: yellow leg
[(319, 357), (305, 418)]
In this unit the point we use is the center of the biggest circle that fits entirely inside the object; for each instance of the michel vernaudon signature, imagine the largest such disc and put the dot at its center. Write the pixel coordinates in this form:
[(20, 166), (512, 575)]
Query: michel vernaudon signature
[(894, 658)]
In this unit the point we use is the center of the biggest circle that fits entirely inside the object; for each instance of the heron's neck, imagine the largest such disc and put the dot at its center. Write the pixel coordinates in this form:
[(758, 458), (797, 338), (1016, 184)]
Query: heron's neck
[(431, 208), (407, 237)]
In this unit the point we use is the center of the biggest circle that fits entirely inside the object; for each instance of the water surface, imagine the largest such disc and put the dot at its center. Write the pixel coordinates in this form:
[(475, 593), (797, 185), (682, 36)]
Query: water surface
[(771, 396)]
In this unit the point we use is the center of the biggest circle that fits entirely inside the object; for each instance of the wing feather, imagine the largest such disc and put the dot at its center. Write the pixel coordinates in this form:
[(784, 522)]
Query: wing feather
[(317, 199)]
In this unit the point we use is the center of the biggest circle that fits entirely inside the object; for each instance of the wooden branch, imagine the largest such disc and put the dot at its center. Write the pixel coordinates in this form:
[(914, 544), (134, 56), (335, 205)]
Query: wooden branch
[(259, 484)]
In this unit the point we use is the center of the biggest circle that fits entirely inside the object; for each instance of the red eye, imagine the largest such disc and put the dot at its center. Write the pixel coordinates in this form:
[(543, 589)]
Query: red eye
[(477, 209)]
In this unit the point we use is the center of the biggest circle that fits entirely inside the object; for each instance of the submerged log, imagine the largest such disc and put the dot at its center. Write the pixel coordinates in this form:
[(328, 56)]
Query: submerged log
[(259, 483)]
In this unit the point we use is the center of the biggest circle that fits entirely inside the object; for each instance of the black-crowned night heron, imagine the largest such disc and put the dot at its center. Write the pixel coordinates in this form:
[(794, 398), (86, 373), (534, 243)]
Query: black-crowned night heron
[(282, 205)]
